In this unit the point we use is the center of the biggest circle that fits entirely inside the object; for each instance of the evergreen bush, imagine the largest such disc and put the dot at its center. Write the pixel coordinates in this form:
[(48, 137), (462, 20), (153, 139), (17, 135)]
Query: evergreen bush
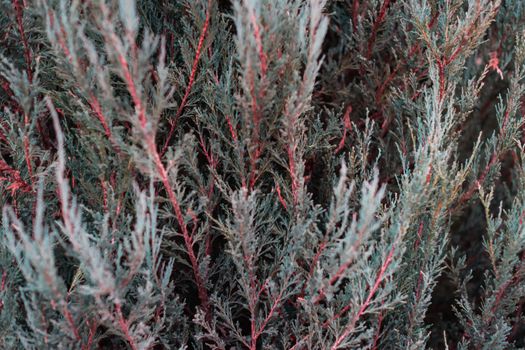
[(262, 174)]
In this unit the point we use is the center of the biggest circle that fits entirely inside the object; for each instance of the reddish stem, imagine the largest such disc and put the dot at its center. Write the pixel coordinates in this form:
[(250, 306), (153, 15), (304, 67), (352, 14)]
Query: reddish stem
[(97, 109), (188, 239), (12, 100), (350, 327), (344, 266), (515, 332), (419, 235), (280, 197), (18, 7), (191, 80), (481, 179), (313, 265), (413, 50), (377, 23), (347, 126), (91, 336), (93, 100), (256, 143), (501, 291), (233, 133), (4, 279), (380, 91), (124, 326), (268, 317), (2, 287), (12, 175), (290, 150), (378, 332), (69, 318), (258, 41), (417, 296), (355, 12), (441, 63), (104, 195), (133, 91), (27, 153), (465, 35)]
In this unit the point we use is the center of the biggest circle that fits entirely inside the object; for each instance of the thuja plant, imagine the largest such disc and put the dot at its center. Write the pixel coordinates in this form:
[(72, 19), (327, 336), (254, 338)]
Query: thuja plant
[(262, 174)]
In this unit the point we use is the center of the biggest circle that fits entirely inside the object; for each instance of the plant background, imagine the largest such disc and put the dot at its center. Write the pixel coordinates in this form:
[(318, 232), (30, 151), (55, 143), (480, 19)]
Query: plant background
[(262, 174)]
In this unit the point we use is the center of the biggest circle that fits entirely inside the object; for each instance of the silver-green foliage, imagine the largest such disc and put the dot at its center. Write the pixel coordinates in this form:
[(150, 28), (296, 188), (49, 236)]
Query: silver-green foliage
[(259, 174)]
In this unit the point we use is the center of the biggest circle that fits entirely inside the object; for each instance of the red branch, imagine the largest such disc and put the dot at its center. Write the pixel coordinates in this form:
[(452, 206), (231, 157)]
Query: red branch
[(256, 143), (481, 179), (97, 109), (355, 11), (313, 265), (93, 100), (504, 288), (441, 69), (279, 196), (69, 318), (124, 326), (104, 196), (515, 332), (13, 176), (380, 91), (344, 266), (191, 80), (493, 159), (133, 91), (347, 124), (211, 158), (92, 330), (379, 20), (494, 64), (258, 41), (2, 287), (188, 239), (378, 332), (268, 317), (290, 150), (18, 7), (27, 153), (4, 279), (419, 235), (465, 35), (413, 50), (350, 327), (515, 279), (233, 133), (413, 314), (12, 100)]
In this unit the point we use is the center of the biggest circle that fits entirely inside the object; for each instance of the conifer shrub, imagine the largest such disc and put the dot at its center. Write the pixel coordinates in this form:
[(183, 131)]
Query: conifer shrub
[(262, 174)]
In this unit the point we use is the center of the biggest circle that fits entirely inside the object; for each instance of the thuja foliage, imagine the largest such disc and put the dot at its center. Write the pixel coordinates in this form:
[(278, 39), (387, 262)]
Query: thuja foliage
[(262, 174)]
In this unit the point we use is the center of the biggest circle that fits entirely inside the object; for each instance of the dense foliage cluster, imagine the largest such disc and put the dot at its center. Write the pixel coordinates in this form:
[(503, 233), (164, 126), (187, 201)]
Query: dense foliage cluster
[(262, 174)]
